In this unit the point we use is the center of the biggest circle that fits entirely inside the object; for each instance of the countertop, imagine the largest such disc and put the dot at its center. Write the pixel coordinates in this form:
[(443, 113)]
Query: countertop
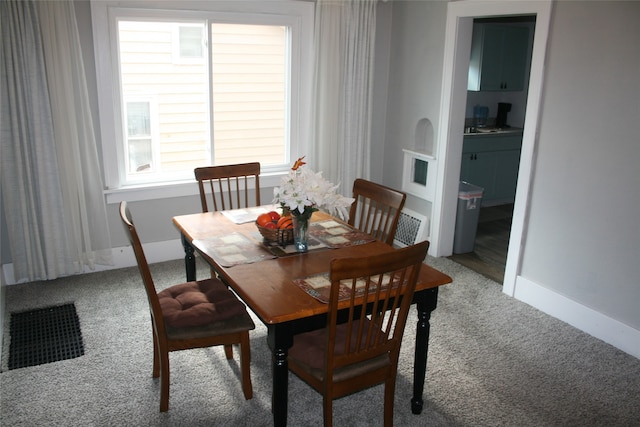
[(495, 131)]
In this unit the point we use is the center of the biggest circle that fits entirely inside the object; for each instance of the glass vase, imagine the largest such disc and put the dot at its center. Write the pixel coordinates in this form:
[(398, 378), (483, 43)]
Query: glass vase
[(300, 232)]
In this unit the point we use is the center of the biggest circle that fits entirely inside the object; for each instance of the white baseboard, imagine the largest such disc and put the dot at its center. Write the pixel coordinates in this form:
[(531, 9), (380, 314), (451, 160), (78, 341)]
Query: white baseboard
[(123, 257), (155, 252), (609, 330)]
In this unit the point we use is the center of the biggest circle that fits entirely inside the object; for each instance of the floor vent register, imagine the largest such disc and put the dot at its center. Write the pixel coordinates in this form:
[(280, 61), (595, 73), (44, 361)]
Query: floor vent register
[(44, 335)]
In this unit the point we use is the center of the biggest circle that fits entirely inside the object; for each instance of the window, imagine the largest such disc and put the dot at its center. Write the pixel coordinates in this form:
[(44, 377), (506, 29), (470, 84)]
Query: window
[(190, 41), (190, 89), (139, 140)]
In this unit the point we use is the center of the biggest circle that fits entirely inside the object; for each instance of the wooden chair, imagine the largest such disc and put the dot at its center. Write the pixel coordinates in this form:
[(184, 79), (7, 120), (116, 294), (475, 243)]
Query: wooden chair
[(355, 350), (376, 209), (191, 315), (229, 186)]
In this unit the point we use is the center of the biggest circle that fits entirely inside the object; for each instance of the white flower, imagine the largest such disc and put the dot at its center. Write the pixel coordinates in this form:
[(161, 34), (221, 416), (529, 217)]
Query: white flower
[(304, 191)]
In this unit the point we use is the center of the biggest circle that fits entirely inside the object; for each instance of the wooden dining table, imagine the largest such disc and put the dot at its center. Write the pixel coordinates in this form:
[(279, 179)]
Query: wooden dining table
[(265, 278)]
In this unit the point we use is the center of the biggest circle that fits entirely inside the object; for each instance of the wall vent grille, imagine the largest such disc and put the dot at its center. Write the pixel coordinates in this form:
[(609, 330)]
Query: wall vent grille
[(411, 226)]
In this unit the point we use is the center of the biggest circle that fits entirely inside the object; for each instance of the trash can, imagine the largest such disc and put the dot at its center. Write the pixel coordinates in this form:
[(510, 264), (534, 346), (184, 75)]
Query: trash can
[(469, 200)]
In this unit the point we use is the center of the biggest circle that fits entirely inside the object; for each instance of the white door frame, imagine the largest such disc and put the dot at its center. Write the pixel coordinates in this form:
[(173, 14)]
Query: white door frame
[(459, 26)]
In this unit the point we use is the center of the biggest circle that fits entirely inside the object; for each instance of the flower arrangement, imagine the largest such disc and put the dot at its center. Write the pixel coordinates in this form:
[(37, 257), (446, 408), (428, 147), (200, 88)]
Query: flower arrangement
[(304, 191)]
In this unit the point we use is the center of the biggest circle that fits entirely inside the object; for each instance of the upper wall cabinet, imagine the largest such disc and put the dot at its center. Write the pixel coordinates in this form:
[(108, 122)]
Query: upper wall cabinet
[(498, 57)]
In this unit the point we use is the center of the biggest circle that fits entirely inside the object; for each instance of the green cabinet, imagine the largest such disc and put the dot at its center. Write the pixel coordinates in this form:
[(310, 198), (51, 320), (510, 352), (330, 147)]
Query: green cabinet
[(478, 169), (492, 162), (498, 59)]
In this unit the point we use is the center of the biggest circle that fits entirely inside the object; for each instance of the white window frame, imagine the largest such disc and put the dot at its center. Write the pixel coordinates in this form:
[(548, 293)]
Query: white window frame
[(298, 15)]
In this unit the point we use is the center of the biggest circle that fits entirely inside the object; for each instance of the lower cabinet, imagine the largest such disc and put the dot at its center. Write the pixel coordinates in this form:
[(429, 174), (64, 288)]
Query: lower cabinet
[(492, 163)]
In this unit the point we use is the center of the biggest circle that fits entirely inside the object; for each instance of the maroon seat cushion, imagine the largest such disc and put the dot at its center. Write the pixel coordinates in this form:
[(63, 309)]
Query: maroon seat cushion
[(198, 303), (311, 347), (309, 351)]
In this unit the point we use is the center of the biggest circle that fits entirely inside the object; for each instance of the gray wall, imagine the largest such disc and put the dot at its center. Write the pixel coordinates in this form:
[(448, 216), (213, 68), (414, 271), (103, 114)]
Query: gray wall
[(415, 78), (584, 231), (582, 240)]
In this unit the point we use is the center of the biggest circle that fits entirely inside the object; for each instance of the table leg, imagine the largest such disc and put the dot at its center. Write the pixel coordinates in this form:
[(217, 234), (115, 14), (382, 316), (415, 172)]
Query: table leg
[(280, 339), (426, 303), (189, 260)]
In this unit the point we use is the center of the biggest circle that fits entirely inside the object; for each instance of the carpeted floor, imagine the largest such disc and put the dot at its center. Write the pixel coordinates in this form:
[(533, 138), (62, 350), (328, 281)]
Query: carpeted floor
[(493, 361)]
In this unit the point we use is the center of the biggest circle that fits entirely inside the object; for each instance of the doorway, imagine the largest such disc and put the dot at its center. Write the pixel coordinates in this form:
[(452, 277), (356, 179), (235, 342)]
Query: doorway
[(489, 254), (458, 34)]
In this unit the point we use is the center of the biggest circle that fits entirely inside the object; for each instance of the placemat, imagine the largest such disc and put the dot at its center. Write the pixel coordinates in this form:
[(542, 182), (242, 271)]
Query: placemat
[(337, 235), (319, 286), (241, 216), (324, 234), (279, 251), (233, 249)]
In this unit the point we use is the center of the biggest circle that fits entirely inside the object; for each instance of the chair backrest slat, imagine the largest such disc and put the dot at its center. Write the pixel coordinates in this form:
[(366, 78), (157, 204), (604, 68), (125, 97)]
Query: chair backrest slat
[(381, 289), (376, 209), (228, 186)]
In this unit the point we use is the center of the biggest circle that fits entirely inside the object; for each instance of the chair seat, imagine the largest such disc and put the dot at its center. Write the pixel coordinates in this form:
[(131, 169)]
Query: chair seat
[(198, 303), (309, 350), (240, 323)]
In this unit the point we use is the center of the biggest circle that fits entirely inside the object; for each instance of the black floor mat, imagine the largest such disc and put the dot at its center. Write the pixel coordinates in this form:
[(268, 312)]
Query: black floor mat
[(44, 335)]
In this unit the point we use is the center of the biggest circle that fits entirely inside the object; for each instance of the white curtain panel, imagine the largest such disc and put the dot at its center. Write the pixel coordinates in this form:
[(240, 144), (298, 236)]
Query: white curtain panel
[(344, 58), (51, 183)]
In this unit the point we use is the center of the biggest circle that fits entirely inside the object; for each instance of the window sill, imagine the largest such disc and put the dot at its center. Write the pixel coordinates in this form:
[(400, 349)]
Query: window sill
[(176, 189)]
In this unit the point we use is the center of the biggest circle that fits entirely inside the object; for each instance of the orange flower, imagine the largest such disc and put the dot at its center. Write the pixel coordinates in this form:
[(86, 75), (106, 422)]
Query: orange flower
[(298, 163)]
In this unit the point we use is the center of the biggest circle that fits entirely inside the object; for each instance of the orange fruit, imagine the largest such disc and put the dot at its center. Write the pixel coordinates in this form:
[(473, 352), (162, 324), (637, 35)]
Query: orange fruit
[(263, 219), (271, 225), (285, 222), (274, 215), (282, 220)]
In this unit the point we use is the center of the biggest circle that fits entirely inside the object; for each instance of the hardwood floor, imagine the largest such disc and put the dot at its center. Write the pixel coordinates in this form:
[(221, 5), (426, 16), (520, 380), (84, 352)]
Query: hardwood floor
[(489, 255)]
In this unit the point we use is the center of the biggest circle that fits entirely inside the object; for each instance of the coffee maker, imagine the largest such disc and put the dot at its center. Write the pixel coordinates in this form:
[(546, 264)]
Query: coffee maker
[(501, 117)]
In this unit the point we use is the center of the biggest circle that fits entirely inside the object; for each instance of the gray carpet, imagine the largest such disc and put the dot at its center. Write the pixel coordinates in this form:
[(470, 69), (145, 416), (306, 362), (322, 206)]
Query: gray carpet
[(493, 361)]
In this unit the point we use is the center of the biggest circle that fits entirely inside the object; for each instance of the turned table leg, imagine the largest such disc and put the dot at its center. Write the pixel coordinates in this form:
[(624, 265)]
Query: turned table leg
[(426, 303)]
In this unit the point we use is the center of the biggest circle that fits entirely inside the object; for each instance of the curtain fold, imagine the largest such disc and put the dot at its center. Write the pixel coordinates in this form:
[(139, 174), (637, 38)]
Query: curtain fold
[(343, 86), (51, 183)]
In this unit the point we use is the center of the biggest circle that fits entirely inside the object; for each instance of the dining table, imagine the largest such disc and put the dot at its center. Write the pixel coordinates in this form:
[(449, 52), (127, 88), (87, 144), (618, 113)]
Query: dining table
[(269, 278)]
